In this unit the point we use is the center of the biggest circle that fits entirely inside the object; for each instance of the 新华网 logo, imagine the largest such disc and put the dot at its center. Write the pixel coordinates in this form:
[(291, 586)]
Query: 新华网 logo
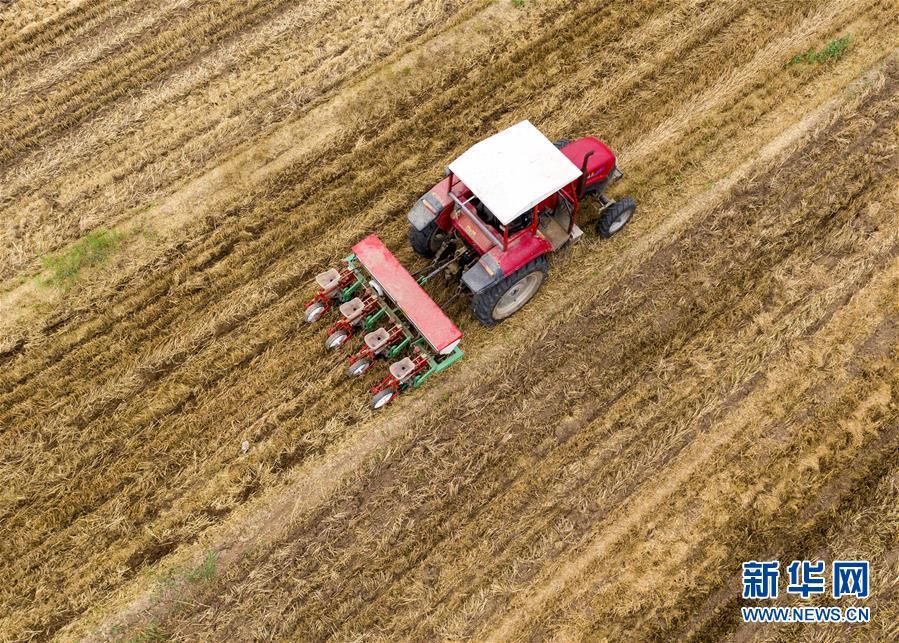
[(805, 579)]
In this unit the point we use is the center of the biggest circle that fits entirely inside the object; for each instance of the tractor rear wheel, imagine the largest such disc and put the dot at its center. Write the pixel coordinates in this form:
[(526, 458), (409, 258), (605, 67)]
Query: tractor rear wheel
[(615, 217), (502, 300), (428, 241)]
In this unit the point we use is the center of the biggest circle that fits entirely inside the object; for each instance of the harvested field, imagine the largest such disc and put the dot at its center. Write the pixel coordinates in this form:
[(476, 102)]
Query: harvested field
[(717, 383)]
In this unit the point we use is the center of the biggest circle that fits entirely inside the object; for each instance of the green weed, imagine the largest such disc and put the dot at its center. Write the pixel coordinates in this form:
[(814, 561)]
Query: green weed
[(91, 250), (149, 634), (206, 570), (831, 52)]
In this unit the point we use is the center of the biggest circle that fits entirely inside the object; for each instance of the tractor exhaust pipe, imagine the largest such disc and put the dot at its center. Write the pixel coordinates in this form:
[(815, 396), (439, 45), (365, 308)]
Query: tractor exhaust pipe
[(583, 180)]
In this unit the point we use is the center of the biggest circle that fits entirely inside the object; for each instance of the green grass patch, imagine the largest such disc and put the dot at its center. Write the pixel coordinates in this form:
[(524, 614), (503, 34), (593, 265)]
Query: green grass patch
[(206, 570), (831, 52), (517, 3), (93, 249), (171, 579)]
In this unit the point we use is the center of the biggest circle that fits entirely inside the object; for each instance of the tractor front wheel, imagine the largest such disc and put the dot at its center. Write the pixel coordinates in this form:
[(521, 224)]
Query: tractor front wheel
[(615, 217), (502, 300), (426, 242)]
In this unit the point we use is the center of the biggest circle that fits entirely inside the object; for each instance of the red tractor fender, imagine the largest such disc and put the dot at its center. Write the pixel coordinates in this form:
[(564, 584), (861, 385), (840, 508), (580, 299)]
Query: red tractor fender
[(497, 263), (521, 251), (434, 204)]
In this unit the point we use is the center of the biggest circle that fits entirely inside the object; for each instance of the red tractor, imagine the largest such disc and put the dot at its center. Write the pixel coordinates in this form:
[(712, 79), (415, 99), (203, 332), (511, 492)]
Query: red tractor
[(506, 203)]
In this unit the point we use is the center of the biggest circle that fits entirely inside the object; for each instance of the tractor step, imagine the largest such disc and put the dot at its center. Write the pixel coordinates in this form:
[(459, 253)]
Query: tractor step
[(557, 235)]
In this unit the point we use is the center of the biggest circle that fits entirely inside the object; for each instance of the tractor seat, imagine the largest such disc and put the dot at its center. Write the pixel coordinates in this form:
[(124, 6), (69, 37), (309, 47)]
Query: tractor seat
[(352, 309), (402, 369), (328, 280), (377, 339)]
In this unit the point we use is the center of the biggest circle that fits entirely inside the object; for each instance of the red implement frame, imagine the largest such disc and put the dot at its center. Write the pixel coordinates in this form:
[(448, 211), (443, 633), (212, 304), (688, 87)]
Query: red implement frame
[(421, 311)]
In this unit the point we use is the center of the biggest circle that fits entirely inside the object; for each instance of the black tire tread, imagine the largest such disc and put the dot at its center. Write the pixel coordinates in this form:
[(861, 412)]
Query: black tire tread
[(482, 303), (420, 240), (603, 227)]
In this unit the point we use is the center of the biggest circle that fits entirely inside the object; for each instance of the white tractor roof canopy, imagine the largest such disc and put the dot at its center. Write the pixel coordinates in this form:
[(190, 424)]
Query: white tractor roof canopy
[(514, 170)]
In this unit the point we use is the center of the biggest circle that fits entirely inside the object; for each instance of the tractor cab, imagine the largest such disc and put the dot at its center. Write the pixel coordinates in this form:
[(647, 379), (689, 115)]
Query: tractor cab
[(512, 186)]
